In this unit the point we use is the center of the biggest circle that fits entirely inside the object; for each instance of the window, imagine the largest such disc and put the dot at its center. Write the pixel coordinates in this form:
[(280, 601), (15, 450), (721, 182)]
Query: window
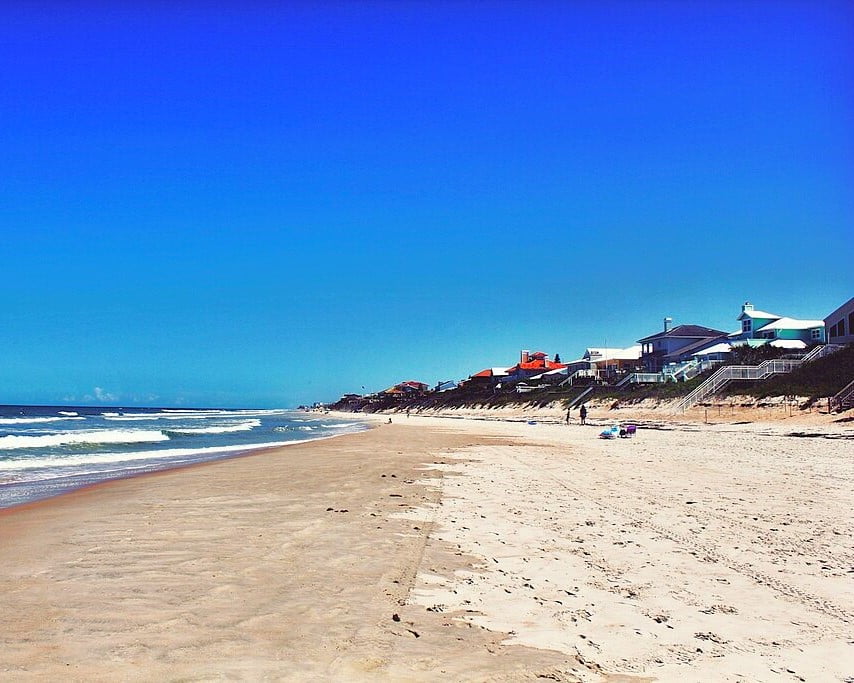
[(851, 321), (815, 333), (746, 325), (842, 327)]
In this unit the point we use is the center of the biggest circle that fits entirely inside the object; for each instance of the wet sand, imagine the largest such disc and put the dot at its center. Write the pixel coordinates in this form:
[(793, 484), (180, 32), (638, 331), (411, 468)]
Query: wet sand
[(436, 549)]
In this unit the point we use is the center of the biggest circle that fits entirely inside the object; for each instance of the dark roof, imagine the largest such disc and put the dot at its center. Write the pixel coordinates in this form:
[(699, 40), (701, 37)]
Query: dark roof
[(691, 348), (697, 331)]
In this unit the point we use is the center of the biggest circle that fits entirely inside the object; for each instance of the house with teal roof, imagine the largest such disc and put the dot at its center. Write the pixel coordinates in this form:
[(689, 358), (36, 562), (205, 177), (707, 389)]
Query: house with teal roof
[(761, 327)]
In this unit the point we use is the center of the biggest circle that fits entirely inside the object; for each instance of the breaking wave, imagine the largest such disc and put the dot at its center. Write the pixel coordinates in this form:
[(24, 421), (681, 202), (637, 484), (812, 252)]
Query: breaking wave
[(34, 420), (14, 441)]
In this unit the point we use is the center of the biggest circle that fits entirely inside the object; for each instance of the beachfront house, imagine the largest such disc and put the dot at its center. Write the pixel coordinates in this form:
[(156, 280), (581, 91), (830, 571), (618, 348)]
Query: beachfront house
[(840, 324), (610, 363), (770, 327), (531, 364), (676, 345), (408, 389)]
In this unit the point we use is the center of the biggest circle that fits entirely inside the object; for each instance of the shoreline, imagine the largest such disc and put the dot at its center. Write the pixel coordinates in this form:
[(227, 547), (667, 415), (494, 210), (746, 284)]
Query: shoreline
[(131, 475), (446, 549), (287, 565), (72, 482)]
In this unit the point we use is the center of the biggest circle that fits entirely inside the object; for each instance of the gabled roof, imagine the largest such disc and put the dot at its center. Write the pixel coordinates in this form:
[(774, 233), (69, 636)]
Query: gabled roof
[(757, 314), (538, 365), (791, 324), (685, 331)]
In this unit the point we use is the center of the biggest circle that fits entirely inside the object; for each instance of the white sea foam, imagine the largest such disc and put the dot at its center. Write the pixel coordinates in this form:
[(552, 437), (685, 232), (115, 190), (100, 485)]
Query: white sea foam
[(14, 441), (68, 413), (34, 420), (247, 426)]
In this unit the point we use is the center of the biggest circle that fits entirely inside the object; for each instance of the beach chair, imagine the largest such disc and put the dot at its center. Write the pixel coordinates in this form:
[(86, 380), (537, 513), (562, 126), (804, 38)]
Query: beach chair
[(628, 431)]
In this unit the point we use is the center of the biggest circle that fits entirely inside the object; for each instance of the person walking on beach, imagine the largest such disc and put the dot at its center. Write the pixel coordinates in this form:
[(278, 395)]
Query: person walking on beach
[(583, 414), (568, 411)]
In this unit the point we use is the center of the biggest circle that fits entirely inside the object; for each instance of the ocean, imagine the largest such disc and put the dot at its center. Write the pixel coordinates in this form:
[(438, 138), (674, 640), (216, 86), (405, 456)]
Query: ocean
[(48, 450)]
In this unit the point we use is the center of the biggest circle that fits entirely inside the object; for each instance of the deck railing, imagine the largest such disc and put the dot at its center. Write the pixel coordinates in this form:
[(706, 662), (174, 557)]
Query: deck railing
[(584, 372), (641, 378)]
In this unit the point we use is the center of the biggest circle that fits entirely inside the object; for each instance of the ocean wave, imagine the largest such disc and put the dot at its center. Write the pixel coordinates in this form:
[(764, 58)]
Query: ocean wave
[(67, 413), (83, 459), (217, 429), (190, 415), (14, 441), (34, 420)]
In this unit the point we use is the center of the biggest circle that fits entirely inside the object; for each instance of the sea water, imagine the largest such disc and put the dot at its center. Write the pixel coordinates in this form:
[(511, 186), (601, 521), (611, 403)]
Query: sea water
[(48, 450)]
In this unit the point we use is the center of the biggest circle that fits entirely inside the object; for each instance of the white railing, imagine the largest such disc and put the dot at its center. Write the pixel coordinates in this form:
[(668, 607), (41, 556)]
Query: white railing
[(733, 372), (641, 378), (673, 372), (574, 402), (584, 372), (822, 351)]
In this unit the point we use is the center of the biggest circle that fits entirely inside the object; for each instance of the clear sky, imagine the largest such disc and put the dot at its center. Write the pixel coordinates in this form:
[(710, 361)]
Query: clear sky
[(246, 204)]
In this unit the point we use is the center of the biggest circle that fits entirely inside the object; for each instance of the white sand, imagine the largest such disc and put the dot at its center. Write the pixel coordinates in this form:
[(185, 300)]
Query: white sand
[(438, 549), (713, 554)]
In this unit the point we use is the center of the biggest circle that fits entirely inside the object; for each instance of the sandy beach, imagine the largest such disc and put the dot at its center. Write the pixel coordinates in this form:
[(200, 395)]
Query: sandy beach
[(451, 549)]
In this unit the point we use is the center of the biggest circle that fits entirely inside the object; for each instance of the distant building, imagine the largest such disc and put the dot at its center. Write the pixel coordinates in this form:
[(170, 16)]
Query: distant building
[(406, 389), (840, 324), (488, 377), (676, 345)]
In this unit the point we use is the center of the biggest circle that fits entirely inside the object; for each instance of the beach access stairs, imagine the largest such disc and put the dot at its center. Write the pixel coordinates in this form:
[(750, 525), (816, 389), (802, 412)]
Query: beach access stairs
[(844, 399), (580, 398), (763, 371)]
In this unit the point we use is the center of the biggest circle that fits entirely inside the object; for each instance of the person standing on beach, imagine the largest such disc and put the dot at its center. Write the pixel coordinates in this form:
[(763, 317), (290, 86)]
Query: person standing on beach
[(583, 414), (568, 411)]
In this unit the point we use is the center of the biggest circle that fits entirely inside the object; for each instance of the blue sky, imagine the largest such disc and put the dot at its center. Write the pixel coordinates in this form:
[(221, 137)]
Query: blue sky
[(244, 204)]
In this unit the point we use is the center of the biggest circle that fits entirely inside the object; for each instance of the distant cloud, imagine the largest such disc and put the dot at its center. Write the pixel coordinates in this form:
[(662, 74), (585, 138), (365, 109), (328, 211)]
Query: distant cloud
[(104, 396)]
